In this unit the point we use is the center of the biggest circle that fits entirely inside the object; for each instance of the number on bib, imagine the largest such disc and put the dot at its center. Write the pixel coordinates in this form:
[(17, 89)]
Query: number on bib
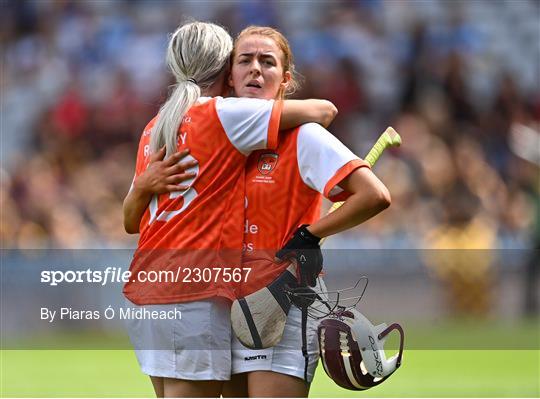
[(188, 195)]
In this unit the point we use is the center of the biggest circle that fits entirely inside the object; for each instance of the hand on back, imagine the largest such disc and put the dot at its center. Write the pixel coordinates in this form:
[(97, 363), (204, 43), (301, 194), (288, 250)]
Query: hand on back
[(164, 176)]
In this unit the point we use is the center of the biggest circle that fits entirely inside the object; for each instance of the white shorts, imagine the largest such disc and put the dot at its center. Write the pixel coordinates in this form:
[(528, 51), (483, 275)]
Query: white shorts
[(197, 347), (286, 357), (202, 346)]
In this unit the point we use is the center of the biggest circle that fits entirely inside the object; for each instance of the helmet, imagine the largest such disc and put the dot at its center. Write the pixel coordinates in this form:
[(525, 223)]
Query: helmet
[(352, 349)]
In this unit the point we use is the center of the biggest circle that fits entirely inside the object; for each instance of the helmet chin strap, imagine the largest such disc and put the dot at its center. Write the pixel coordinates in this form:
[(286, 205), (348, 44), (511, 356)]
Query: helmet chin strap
[(303, 297), (305, 353)]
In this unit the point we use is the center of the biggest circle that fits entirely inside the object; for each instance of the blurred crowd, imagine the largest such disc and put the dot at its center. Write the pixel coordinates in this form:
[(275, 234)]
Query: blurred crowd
[(458, 79)]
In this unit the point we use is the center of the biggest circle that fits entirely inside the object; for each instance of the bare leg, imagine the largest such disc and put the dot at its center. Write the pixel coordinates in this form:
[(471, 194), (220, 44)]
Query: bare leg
[(277, 385), (174, 388), (236, 387), (157, 382)]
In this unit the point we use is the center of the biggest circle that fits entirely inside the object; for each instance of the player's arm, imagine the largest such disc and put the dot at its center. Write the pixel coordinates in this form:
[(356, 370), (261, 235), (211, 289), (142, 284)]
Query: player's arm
[(161, 176), (298, 112), (369, 196), (329, 167), (253, 124)]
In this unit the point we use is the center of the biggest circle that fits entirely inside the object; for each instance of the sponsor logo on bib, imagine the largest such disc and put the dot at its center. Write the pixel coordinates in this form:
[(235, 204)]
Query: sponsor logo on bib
[(267, 163)]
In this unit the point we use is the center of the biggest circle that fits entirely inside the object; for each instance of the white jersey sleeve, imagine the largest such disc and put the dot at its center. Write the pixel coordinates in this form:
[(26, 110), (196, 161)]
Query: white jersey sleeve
[(324, 161), (250, 124)]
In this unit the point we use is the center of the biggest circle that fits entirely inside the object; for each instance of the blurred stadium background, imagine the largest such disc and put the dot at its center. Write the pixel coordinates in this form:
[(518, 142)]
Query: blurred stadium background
[(460, 81)]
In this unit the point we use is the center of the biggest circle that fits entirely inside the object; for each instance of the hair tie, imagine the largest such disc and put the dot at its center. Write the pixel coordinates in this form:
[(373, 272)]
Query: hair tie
[(191, 80)]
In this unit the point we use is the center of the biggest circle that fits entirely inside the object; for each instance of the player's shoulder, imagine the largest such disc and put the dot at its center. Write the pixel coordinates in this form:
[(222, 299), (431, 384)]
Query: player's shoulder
[(145, 136), (315, 133), (206, 100), (235, 102), (150, 125), (311, 128)]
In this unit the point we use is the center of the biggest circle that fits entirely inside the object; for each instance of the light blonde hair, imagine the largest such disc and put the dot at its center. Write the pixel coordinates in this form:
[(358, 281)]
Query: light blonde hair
[(283, 45), (196, 55)]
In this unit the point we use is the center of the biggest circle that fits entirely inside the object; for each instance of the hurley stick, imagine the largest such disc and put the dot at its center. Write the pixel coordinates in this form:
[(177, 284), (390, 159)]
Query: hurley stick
[(389, 138)]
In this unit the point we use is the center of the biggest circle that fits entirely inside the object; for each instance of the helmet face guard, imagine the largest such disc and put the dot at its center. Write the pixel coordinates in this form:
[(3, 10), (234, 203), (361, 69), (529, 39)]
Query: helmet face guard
[(352, 350)]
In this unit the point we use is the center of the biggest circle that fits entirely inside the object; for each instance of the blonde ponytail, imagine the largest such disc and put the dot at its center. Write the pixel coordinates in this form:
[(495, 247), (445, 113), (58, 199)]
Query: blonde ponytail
[(196, 55)]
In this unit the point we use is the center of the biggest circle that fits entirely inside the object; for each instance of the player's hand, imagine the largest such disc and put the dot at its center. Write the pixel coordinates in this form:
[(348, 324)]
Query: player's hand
[(165, 176), (304, 248)]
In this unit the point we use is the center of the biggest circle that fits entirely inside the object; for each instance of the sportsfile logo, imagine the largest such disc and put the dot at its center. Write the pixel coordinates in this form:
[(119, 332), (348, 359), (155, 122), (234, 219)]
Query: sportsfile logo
[(257, 357), (117, 275)]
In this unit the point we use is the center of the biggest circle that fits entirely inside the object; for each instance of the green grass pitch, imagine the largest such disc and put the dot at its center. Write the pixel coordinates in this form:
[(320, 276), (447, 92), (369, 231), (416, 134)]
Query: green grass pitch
[(425, 373)]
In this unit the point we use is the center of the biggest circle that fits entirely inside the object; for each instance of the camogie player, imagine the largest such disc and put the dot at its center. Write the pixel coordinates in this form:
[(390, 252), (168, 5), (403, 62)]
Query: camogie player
[(284, 189), (220, 134)]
